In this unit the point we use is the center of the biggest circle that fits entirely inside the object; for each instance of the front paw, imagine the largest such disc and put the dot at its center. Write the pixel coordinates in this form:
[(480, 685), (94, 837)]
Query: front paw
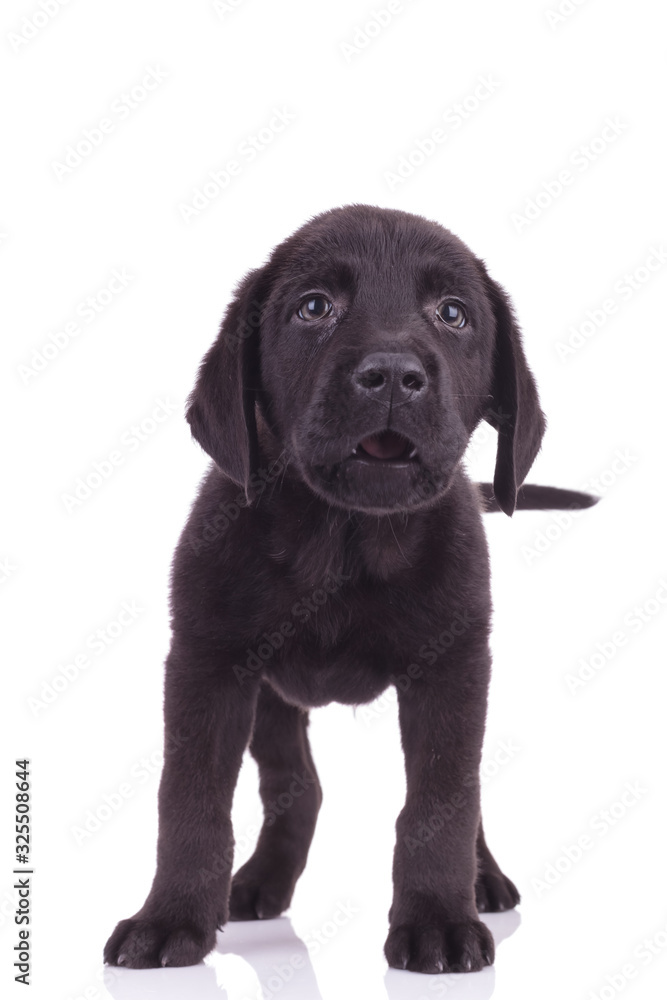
[(260, 891), (144, 943), (447, 946), (495, 892)]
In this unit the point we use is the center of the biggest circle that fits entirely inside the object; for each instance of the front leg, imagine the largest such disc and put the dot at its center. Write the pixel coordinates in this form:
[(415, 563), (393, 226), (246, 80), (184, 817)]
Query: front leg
[(291, 795), (434, 925), (208, 722)]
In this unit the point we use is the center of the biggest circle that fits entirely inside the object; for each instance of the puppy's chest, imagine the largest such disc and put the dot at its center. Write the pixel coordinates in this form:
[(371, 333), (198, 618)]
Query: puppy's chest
[(337, 642), (340, 613), (319, 617)]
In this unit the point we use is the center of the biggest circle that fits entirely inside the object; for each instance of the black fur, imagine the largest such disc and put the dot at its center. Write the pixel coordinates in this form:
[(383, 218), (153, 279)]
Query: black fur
[(307, 574)]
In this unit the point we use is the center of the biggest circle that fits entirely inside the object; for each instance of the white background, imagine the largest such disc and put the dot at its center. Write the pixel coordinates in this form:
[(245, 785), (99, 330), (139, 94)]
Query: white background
[(66, 574)]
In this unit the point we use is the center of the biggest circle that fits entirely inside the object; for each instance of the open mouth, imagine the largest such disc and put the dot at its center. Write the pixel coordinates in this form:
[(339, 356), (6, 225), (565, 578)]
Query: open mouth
[(387, 446)]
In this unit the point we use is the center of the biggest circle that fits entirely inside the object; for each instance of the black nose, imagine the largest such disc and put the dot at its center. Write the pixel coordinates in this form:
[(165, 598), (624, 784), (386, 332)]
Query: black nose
[(387, 376)]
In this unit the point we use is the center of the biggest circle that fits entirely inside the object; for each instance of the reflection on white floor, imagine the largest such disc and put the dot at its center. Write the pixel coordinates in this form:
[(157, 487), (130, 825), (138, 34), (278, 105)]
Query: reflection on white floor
[(266, 959)]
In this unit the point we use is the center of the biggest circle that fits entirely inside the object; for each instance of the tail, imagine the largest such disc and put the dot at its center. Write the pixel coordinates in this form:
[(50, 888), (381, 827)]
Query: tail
[(530, 497)]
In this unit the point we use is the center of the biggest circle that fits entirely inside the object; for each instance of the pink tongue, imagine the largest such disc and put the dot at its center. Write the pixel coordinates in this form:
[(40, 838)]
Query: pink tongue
[(385, 445)]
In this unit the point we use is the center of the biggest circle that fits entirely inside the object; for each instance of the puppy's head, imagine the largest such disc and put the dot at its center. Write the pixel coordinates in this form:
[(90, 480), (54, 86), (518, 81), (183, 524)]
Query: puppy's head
[(373, 342)]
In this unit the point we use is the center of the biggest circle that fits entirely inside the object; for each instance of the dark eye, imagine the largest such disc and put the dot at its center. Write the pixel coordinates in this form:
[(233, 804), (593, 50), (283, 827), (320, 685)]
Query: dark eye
[(315, 307), (452, 314)]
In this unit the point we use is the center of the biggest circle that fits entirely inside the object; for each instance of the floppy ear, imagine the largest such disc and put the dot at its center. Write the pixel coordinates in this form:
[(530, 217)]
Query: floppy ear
[(221, 407), (515, 408)]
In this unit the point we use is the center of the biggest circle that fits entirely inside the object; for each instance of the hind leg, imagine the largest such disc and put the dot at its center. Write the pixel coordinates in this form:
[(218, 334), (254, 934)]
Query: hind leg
[(291, 796), (493, 890)]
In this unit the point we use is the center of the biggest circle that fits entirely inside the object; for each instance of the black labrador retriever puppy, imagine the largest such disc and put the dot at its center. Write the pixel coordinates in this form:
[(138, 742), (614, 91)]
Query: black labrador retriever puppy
[(334, 544)]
